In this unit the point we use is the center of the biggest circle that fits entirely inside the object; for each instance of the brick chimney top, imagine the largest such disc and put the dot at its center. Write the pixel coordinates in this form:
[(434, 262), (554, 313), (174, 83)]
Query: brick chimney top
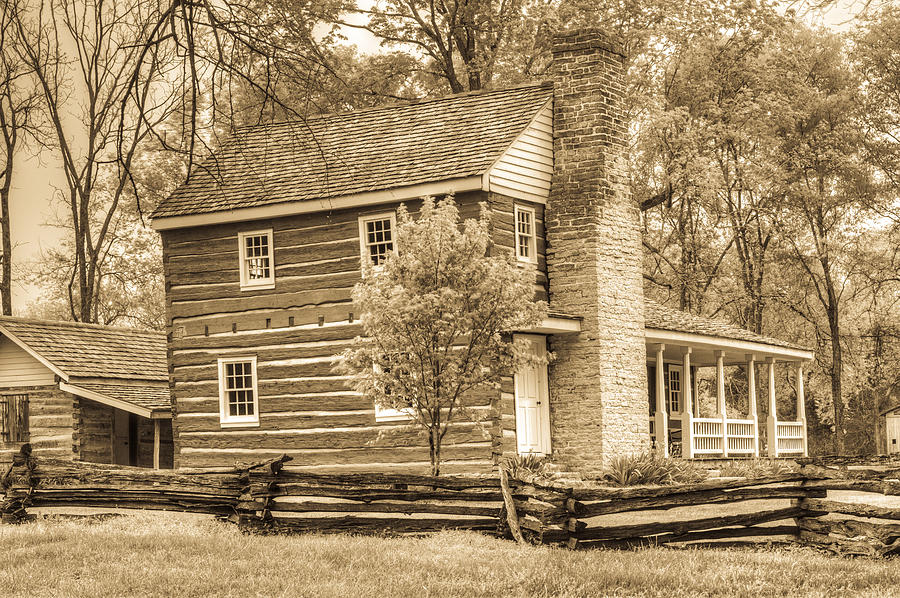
[(586, 39)]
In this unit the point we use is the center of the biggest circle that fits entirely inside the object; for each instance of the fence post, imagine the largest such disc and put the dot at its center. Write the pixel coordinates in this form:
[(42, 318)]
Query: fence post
[(512, 516), (12, 510)]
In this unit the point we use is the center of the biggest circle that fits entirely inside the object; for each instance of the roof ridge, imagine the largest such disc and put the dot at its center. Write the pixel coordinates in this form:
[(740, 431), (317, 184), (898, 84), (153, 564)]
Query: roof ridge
[(86, 325), (389, 106)]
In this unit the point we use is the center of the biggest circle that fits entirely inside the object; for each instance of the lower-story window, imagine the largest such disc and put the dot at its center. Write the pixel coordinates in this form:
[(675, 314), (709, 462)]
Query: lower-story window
[(238, 392), (386, 413), (14, 418)]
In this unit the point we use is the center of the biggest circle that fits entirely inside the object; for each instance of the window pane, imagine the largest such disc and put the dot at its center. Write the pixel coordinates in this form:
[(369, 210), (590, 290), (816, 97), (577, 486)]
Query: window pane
[(524, 233), (257, 258), (238, 382), (379, 239)]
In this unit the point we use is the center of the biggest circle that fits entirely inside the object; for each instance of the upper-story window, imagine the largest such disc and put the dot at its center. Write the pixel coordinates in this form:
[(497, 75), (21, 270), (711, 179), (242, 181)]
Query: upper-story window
[(526, 250), (257, 268), (238, 404), (377, 234)]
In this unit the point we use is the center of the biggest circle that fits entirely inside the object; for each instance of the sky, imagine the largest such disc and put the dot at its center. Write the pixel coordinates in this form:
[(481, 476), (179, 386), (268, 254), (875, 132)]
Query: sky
[(39, 181)]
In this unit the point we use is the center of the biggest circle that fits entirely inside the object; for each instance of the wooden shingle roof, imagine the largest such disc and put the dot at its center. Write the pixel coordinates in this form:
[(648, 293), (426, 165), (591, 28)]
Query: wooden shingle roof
[(152, 397), (90, 350), (337, 155), (664, 318)]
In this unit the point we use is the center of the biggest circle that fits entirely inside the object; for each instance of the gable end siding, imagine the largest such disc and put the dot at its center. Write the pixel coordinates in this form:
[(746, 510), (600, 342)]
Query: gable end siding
[(525, 168), (19, 368)]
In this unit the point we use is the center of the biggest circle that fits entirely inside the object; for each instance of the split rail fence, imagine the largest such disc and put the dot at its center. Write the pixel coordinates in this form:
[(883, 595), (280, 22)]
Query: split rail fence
[(579, 517), (268, 498)]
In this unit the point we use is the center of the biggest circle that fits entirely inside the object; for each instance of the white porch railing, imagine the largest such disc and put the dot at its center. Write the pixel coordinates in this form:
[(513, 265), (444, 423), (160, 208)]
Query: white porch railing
[(789, 438), (710, 437), (741, 437), (707, 436)]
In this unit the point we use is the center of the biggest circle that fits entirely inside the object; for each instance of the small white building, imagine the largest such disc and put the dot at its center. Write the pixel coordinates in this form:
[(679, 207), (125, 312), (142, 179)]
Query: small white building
[(891, 430)]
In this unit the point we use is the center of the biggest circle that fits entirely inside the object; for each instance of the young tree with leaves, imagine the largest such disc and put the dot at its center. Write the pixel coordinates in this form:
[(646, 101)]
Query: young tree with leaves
[(438, 317)]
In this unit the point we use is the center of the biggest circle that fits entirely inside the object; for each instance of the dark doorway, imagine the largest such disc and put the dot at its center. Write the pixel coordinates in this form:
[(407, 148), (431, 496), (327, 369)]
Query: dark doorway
[(125, 443)]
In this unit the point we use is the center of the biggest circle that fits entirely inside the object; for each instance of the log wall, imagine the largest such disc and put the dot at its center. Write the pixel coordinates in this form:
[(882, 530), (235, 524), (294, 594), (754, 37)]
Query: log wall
[(93, 439), (50, 422), (296, 330), (94, 436)]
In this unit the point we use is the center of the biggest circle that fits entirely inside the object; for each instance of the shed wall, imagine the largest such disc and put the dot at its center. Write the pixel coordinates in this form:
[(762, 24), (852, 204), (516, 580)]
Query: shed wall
[(49, 421)]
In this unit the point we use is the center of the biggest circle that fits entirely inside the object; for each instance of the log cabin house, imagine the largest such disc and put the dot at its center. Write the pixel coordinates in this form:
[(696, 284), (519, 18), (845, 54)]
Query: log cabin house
[(264, 243), (84, 392)]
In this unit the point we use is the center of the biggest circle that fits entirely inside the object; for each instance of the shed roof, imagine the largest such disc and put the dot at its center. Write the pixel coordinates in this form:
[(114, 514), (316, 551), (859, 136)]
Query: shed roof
[(660, 317), (335, 155), (91, 350), (149, 399)]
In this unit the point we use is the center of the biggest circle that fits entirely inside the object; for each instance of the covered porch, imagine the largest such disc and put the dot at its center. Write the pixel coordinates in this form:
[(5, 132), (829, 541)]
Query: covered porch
[(678, 346)]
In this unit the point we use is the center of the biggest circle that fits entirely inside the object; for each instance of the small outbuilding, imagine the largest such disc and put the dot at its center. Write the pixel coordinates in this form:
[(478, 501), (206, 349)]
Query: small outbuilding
[(891, 430), (85, 392)]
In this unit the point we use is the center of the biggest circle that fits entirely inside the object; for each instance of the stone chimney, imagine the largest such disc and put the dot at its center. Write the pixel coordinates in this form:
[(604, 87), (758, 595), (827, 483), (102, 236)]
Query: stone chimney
[(598, 383)]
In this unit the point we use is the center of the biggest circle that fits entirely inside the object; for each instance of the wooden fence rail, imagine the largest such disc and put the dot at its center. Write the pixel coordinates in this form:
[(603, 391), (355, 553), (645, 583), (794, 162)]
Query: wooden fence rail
[(267, 498), (290, 502), (574, 517)]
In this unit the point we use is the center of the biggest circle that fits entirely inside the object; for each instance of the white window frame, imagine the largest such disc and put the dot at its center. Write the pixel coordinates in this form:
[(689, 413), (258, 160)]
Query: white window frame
[(243, 266), (363, 234), (532, 241), (231, 421), (390, 414), (669, 370)]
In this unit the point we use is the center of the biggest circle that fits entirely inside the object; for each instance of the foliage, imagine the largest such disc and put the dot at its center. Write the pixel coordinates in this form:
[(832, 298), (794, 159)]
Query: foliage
[(529, 465), (756, 468), (437, 319), (649, 469)]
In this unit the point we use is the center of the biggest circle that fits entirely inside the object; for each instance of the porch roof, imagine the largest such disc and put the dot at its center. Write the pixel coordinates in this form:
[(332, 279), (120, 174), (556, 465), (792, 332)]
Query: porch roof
[(666, 325)]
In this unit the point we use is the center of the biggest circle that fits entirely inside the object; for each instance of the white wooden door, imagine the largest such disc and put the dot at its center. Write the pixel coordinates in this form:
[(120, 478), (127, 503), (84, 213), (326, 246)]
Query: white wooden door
[(532, 404), (893, 433)]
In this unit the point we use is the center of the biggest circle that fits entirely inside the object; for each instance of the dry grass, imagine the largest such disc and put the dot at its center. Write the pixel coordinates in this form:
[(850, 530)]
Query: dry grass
[(152, 555)]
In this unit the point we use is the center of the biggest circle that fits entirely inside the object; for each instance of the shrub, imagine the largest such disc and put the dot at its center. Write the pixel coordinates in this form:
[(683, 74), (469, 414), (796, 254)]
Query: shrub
[(529, 465), (756, 468), (649, 468)]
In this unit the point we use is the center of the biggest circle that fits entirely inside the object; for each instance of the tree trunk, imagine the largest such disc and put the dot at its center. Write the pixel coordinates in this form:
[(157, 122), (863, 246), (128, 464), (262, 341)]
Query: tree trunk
[(837, 362), (5, 242), (434, 450)]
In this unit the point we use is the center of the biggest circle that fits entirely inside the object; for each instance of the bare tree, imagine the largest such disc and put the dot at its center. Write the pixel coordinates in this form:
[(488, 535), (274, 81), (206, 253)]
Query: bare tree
[(103, 93), (19, 103)]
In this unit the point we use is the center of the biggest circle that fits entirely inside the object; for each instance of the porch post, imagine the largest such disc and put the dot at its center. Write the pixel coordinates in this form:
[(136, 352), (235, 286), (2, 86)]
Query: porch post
[(720, 399), (687, 410), (801, 405), (772, 419), (155, 444), (751, 392), (661, 421)]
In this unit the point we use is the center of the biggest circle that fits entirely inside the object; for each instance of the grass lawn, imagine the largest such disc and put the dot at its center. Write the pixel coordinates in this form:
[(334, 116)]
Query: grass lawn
[(148, 554)]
